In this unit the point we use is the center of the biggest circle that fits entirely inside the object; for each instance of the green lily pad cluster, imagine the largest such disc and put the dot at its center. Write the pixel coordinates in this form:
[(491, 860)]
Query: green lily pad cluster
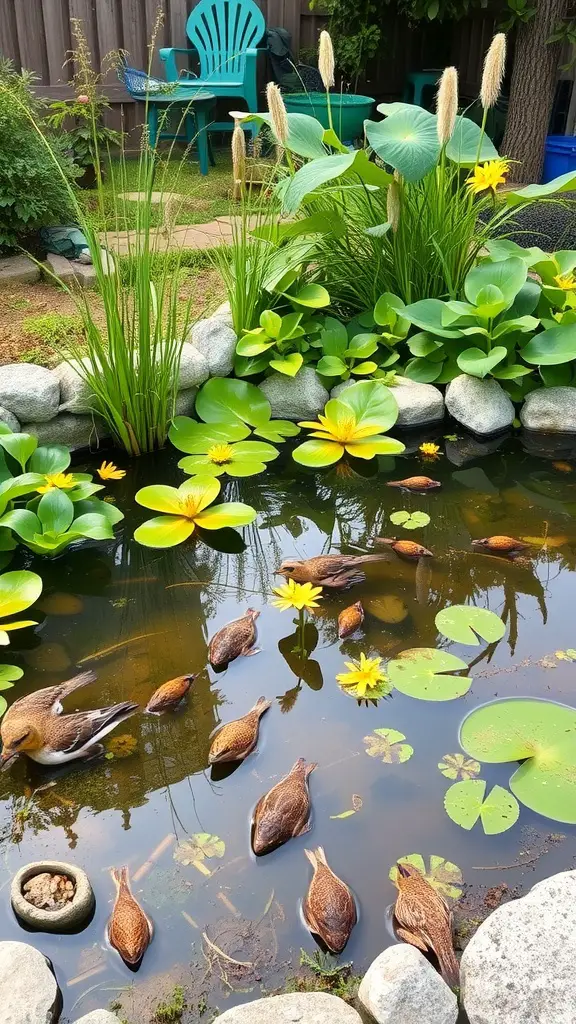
[(465, 803), (410, 520)]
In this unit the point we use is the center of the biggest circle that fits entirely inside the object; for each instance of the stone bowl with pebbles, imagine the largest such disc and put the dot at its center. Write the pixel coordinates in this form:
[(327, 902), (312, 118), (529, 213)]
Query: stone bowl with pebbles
[(52, 896)]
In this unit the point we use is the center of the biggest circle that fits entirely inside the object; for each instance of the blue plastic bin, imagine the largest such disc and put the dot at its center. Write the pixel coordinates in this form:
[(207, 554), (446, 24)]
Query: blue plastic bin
[(559, 156)]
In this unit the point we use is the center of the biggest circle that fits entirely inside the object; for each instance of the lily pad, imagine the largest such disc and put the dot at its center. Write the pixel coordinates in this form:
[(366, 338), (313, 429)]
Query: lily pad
[(442, 874), (541, 734), (464, 803), (458, 766), (387, 746), (464, 623), (410, 520), (198, 847), (422, 672)]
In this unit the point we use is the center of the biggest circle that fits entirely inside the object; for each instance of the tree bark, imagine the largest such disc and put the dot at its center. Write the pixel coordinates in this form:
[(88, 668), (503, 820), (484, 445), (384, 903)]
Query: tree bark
[(532, 91)]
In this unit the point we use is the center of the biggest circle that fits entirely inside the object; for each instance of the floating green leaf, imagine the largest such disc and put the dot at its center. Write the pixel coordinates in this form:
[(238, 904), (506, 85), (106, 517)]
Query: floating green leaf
[(457, 766), (464, 623), (443, 875), (225, 400), (388, 746), (464, 803), (422, 673), (345, 814), (410, 520), (199, 846), (539, 733), (567, 655)]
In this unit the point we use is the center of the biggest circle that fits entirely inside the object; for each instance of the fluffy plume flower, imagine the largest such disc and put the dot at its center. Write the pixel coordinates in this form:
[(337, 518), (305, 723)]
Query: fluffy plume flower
[(326, 60), (238, 156), (393, 205), (488, 175), (447, 105), (277, 112), (494, 65)]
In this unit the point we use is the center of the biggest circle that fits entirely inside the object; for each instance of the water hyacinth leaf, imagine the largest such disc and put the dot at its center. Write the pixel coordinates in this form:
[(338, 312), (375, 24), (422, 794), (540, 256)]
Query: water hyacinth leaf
[(464, 803), (423, 344), (19, 446), (507, 275), (249, 366), (477, 363), (464, 623), (289, 365), (458, 766), (388, 746), (462, 148), (198, 847), (423, 673), (363, 369), (407, 140), (312, 295), (422, 371), (194, 438), (224, 400), (54, 458), (331, 366), (55, 512), (410, 520), (551, 347), (442, 874), (427, 314)]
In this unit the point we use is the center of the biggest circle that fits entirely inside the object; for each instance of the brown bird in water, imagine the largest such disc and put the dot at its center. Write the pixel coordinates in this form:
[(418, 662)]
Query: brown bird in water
[(415, 483), (129, 929), (169, 695), (350, 619), (36, 726), (283, 812), (329, 907), (235, 638), (507, 546), (425, 920), (408, 549), (337, 572), (235, 740)]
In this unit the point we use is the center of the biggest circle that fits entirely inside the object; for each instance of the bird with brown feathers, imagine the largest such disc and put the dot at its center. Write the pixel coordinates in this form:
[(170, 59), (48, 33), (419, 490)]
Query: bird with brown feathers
[(329, 907), (235, 740), (350, 619), (507, 547), (130, 930), (234, 639), (169, 695), (424, 919), (336, 572), (407, 549), (284, 811), (415, 483)]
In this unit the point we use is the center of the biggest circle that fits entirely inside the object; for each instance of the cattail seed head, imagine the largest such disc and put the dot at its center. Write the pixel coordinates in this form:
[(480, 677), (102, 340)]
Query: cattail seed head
[(238, 157), (393, 205), (494, 65), (447, 105), (277, 112), (326, 60)]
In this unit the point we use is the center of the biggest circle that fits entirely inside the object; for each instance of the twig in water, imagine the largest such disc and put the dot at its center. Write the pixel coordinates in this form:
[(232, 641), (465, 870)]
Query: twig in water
[(122, 643), (220, 952)]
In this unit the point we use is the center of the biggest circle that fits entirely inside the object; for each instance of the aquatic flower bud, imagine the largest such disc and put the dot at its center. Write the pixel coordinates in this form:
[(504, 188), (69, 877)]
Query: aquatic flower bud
[(447, 105), (494, 65), (326, 60), (277, 112)]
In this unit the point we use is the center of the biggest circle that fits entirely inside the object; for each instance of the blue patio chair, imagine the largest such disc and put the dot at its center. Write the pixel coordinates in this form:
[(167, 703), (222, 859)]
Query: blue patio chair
[(224, 35)]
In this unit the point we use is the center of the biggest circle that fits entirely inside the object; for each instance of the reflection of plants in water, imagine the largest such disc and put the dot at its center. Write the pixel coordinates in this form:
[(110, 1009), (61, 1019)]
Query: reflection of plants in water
[(37, 813)]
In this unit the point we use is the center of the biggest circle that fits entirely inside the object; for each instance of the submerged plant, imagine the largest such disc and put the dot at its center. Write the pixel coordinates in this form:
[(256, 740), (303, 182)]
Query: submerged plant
[(186, 508)]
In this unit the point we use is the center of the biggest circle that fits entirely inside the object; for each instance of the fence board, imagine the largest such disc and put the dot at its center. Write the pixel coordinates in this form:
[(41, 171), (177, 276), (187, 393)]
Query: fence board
[(57, 39), (9, 46), (32, 44)]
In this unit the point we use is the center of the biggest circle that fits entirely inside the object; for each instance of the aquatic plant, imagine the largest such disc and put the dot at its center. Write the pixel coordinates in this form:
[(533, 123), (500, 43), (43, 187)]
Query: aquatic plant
[(539, 733), (365, 679), (218, 448), (58, 521), (388, 746), (282, 343), (427, 674), (344, 356), (184, 509), (108, 471), (464, 802), (442, 874), (464, 623), (353, 424), (429, 450), (18, 590), (458, 766), (222, 400), (410, 520), (8, 676), (303, 597)]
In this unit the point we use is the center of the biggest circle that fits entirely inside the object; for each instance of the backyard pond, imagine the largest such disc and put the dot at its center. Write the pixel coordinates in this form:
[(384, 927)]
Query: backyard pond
[(228, 925)]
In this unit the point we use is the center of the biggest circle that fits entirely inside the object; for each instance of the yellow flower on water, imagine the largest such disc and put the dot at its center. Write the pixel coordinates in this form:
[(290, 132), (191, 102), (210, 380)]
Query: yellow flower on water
[(363, 676), (567, 282), (488, 175), (430, 449), (62, 481), (220, 454), (297, 595), (108, 471)]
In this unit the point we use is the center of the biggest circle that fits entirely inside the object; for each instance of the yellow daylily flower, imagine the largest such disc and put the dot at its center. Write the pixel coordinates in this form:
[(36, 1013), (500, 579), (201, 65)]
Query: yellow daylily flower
[(363, 676), (430, 449), (108, 471), (297, 595), (567, 282), (62, 481), (488, 175)]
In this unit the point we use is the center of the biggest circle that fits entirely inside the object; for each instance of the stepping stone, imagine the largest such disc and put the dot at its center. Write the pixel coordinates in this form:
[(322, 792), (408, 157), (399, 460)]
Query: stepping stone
[(18, 270)]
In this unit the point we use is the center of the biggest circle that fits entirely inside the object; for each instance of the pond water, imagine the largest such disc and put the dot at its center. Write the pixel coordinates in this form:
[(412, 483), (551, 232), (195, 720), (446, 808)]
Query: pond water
[(139, 617)]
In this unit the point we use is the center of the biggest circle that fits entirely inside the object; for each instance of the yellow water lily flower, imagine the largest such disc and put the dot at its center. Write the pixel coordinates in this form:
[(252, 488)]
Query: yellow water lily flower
[(430, 450), (488, 175), (567, 282), (297, 595), (108, 471), (62, 481), (363, 676)]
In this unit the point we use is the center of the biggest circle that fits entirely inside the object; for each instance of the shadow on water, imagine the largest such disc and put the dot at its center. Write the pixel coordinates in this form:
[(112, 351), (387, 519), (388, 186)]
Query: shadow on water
[(228, 927)]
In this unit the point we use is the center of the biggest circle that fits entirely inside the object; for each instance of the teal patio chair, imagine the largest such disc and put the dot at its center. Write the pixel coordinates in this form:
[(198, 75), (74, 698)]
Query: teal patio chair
[(224, 35)]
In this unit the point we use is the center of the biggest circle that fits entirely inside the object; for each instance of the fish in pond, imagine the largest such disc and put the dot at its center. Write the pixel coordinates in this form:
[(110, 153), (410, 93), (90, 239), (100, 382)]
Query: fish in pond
[(169, 695), (424, 919), (337, 572), (129, 929), (235, 638), (415, 483), (508, 546), (329, 907), (350, 619), (284, 811), (36, 726), (562, 467), (235, 740), (408, 549)]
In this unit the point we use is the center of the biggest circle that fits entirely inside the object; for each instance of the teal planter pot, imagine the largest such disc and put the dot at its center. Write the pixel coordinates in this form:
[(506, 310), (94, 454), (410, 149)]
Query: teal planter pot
[(348, 111)]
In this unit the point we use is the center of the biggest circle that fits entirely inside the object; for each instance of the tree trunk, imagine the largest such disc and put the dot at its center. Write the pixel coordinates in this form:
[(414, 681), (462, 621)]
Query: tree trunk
[(532, 91)]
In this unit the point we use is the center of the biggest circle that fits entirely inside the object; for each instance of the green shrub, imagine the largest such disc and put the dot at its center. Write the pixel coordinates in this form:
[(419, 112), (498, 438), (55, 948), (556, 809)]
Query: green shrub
[(53, 328)]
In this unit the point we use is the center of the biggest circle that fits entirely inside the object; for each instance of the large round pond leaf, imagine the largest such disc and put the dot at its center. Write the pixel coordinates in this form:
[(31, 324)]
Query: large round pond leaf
[(463, 146), (373, 405), (194, 438), (422, 672), (540, 733), (407, 140), (464, 623), (442, 874), (507, 275), (551, 347), (464, 802), (225, 400)]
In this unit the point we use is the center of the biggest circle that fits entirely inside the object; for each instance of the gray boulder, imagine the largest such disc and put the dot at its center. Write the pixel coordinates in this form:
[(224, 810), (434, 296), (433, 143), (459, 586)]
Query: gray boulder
[(418, 404), (30, 392), (98, 1017), (295, 1008), (550, 409), (480, 405), (194, 367), (29, 993), (185, 402), (402, 987), (9, 419), (76, 395), (224, 313), (518, 968), (69, 429), (216, 341), (295, 398)]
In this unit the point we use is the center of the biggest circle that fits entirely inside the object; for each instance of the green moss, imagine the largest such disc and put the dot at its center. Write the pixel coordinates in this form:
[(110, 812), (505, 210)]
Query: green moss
[(172, 1009)]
